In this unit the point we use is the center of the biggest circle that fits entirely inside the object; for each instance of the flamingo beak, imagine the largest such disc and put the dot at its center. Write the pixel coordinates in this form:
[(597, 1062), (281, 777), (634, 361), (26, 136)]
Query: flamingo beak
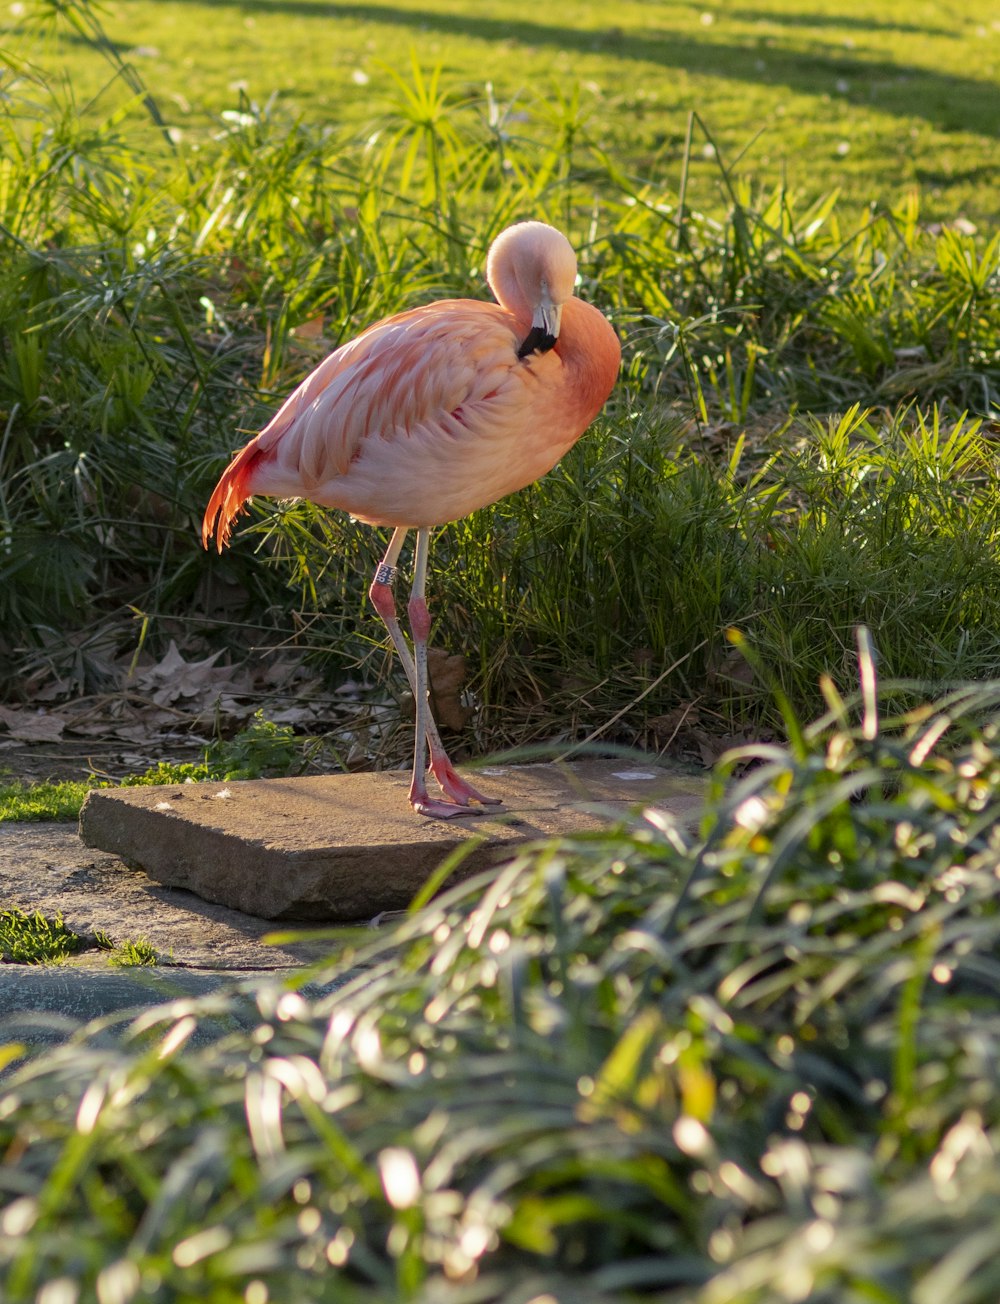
[(544, 326)]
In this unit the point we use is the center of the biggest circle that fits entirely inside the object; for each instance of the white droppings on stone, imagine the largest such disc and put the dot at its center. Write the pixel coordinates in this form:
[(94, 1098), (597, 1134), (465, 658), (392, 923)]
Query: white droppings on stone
[(633, 776), (492, 772), (223, 794), (163, 805)]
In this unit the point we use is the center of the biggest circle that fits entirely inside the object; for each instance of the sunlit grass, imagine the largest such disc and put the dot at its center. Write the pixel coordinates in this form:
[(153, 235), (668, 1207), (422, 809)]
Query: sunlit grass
[(745, 1062), (35, 939), (161, 299), (30, 802), (866, 100), (132, 955)]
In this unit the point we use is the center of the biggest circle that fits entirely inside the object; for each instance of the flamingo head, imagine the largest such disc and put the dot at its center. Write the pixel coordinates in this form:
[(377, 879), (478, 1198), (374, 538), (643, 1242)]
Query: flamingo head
[(532, 271)]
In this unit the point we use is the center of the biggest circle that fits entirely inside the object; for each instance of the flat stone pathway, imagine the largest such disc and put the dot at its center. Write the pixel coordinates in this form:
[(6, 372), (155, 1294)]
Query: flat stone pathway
[(203, 947), (46, 867), (195, 873)]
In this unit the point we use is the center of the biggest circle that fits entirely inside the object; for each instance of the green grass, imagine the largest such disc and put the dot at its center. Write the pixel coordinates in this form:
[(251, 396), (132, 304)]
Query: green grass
[(24, 803), (133, 955), (262, 749), (158, 300), (870, 100), (748, 1063), (36, 939), (751, 1062), (891, 520)]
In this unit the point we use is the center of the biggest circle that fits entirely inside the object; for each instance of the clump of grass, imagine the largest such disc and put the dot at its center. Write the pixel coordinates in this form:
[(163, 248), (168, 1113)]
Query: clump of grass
[(24, 803), (704, 1065), (36, 939), (168, 772), (130, 955), (792, 537)]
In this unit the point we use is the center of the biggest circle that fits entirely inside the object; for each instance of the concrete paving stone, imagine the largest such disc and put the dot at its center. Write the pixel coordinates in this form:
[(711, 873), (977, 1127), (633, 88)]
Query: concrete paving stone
[(346, 847)]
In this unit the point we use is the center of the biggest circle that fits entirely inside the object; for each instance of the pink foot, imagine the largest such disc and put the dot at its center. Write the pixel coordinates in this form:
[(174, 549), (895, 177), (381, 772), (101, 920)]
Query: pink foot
[(441, 810), (457, 788), (424, 804)]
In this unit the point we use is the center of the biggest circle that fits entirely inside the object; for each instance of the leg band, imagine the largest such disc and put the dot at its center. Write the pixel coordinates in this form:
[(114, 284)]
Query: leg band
[(385, 574)]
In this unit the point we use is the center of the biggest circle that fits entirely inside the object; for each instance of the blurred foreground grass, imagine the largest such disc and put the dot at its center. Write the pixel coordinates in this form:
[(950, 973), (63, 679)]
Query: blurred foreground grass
[(752, 1062)]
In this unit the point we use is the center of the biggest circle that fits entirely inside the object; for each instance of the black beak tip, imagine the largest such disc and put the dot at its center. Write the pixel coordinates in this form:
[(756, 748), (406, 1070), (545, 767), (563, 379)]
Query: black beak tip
[(537, 340)]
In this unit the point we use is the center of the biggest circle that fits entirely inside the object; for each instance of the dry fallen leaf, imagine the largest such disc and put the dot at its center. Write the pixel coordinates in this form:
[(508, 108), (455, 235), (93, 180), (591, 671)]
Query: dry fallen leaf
[(32, 726), (446, 673), (309, 330), (174, 678)]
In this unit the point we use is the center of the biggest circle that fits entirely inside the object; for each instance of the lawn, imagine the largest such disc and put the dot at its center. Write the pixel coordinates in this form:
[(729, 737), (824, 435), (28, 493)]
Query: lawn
[(869, 99)]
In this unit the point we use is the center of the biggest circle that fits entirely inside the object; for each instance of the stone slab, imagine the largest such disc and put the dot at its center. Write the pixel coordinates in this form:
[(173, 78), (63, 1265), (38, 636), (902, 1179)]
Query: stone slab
[(345, 847)]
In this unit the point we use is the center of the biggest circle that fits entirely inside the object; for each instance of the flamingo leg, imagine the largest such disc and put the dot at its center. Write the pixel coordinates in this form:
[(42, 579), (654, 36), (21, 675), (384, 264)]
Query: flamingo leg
[(457, 789)]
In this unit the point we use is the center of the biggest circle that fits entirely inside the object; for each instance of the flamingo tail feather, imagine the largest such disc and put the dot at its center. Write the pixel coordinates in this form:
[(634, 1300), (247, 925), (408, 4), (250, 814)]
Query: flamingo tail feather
[(229, 496)]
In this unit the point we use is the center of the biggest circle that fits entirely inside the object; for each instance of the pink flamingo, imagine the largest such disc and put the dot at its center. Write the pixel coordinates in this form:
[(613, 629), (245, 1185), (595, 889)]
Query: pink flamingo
[(429, 415)]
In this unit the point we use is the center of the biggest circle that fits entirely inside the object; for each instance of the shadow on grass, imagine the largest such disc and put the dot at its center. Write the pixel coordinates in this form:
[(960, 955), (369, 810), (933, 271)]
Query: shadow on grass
[(842, 22), (949, 102)]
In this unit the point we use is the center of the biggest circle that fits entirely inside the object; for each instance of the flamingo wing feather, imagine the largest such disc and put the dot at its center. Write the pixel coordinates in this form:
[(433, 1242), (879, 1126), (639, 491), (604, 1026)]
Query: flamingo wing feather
[(400, 380)]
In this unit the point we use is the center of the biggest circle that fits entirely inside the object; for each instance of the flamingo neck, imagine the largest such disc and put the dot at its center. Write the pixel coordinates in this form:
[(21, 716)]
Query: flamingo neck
[(590, 352)]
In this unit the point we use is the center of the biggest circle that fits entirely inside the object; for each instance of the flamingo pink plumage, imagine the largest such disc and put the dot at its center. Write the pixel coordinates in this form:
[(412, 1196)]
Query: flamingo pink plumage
[(429, 415)]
